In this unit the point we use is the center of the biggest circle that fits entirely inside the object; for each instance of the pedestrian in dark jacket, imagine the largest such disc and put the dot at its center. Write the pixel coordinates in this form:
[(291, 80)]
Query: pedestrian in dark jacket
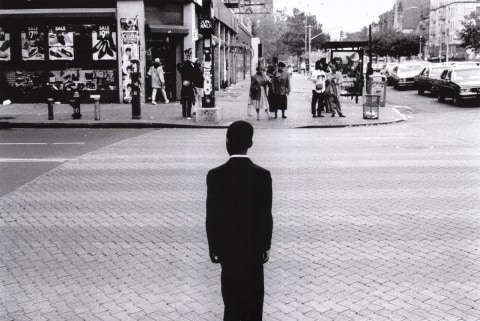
[(239, 225), (281, 89), (187, 93)]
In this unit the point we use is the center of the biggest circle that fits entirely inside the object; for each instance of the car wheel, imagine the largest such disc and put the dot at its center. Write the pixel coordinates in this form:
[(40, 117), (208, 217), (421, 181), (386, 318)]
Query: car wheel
[(420, 91), (395, 85), (440, 97), (457, 101)]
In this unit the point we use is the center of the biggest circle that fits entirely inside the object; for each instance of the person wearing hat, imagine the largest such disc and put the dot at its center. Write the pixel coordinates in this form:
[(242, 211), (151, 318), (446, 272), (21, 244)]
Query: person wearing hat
[(258, 91), (158, 80), (281, 89)]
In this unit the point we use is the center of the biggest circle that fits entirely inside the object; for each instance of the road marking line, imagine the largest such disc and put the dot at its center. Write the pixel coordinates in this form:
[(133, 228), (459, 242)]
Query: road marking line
[(23, 143), (34, 160), (67, 143), (73, 143)]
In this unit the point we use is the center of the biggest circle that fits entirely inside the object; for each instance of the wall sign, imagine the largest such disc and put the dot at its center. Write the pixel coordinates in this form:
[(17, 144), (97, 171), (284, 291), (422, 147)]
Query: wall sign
[(4, 45), (33, 44), (60, 43), (206, 26), (104, 43)]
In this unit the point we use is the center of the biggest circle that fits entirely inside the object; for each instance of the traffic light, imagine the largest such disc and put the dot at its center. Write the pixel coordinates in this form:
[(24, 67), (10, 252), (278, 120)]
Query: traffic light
[(342, 34)]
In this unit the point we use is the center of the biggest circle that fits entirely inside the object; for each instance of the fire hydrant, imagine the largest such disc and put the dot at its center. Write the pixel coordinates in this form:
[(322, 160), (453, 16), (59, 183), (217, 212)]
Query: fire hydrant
[(75, 103)]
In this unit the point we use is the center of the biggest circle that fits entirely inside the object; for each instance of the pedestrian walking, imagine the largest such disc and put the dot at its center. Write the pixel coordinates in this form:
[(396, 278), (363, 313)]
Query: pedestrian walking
[(239, 225), (281, 89), (157, 77), (187, 93), (258, 91), (318, 92), (333, 91)]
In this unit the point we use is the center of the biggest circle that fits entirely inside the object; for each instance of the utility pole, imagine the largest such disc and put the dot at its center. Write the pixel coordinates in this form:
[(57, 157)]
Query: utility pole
[(309, 47), (370, 43), (420, 47), (207, 29)]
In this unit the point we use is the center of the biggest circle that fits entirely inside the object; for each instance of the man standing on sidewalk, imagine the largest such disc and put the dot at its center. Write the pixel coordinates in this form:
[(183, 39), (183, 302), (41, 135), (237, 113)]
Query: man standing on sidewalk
[(239, 225)]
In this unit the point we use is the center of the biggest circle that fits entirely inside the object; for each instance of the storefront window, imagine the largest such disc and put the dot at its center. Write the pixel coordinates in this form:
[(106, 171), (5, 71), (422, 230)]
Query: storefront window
[(55, 57)]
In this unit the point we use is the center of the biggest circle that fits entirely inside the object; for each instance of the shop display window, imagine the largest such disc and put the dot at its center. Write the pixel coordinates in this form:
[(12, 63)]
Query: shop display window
[(55, 57)]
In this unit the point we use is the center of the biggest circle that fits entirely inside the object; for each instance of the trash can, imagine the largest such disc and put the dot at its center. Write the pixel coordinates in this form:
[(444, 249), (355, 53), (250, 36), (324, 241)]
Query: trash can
[(371, 106), (377, 85)]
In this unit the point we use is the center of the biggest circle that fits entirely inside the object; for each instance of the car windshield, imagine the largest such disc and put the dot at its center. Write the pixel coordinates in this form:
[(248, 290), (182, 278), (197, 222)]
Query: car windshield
[(467, 74), (411, 68), (436, 72)]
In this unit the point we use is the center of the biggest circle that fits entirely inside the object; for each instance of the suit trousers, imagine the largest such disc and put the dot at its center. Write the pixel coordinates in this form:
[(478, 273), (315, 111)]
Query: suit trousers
[(243, 291)]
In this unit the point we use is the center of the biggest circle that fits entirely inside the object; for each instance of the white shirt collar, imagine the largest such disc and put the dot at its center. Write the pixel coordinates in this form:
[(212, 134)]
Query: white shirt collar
[(239, 156)]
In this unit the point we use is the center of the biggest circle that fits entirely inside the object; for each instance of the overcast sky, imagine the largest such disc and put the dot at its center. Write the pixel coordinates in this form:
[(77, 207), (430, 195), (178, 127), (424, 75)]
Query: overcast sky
[(351, 15)]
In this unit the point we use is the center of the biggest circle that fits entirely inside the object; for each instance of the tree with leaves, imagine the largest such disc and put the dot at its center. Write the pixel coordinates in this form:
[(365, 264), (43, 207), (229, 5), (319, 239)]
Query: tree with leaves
[(470, 33), (395, 44), (283, 35)]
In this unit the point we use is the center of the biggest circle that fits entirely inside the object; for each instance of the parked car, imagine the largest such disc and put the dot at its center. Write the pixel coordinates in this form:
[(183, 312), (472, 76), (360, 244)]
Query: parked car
[(459, 83), (403, 75), (387, 69), (424, 81)]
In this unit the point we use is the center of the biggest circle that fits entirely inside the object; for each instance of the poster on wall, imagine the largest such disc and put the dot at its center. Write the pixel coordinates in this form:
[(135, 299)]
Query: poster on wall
[(104, 45), (4, 45), (129, 24), (33, 44), (350, 63), (60, 43), (130, 44)]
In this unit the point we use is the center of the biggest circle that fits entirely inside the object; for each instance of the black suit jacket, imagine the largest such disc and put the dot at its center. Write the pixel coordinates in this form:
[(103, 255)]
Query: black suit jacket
[(239, 210)]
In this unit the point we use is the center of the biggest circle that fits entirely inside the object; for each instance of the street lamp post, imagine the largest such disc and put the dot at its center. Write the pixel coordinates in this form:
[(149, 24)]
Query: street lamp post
[(420, 47)]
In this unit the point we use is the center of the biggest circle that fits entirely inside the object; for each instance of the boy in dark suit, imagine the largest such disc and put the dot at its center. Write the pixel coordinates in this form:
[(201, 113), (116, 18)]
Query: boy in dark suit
[(239, 225)]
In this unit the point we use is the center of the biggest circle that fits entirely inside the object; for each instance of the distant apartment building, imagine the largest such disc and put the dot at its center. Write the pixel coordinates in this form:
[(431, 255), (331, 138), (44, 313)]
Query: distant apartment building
[(446, 18), (407, 16)]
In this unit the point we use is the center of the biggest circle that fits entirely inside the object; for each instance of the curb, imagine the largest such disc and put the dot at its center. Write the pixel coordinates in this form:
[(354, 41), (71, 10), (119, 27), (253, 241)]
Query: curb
[(10, 125)]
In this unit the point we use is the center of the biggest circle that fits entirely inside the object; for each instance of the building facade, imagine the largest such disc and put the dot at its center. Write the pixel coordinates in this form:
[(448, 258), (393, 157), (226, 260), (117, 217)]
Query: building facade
[(446, 18), (52, 48)]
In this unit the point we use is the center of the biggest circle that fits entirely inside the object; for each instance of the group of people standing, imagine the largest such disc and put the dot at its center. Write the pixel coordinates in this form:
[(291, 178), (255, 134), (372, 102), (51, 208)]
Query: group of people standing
[(269, 90), (326, 90)]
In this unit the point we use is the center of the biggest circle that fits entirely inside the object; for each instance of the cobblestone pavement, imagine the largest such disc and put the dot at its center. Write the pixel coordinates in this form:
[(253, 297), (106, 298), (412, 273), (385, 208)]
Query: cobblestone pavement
[(370, 223)]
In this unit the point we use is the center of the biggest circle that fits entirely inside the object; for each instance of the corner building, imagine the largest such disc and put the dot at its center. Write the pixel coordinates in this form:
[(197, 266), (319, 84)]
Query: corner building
[(52, 48)]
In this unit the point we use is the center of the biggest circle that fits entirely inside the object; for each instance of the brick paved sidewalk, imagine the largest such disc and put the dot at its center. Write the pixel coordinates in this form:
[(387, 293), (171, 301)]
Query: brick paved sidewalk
[(370, 223), (232, 101)]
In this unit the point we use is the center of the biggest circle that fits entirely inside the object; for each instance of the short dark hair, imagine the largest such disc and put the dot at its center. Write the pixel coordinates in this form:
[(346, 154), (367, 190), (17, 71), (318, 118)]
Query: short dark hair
[(239, 136)]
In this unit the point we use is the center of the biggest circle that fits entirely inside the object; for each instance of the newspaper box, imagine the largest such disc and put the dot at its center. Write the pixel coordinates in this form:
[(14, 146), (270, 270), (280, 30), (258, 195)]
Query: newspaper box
[(371, 106), (377, 85)]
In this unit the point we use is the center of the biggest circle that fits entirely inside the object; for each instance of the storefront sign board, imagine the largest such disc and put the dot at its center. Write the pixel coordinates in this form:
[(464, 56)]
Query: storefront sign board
[(60, 43), (4, 45), (104, 43), (32, 44)]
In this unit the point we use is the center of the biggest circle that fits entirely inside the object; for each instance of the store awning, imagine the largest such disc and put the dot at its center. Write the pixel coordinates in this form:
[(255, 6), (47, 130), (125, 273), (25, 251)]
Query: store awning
[(172, 29), (64, 12)]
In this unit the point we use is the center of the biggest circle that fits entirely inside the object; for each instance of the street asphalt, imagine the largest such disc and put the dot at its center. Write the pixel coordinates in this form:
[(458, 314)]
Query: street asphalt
[(371, 223), (232, 101)]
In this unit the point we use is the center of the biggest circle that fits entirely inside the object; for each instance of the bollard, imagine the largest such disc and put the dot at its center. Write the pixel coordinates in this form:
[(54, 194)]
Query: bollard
[(96, 102), (50, 108), (75, 103)]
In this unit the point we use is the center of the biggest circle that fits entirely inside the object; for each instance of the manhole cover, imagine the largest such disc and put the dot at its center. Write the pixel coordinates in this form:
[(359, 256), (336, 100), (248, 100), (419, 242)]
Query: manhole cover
[(414, 147)]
